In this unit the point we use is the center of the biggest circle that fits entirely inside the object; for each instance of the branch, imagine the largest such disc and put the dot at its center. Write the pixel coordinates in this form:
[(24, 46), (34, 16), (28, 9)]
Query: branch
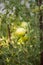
[(9, 33)]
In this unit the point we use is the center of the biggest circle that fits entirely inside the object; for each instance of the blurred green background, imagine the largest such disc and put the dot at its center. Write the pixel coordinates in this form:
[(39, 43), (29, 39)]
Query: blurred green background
[(19, 32)]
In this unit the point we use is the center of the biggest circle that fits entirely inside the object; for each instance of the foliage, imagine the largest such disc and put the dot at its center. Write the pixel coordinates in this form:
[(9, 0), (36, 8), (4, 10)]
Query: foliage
[(21, 21)]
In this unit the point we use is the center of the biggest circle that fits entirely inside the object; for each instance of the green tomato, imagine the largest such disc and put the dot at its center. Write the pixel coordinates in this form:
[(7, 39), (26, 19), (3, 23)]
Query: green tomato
[(20, 31)]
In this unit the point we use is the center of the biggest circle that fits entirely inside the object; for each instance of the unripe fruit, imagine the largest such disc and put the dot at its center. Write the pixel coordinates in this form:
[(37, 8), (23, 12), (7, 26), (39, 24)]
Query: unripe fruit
[(20, 31)]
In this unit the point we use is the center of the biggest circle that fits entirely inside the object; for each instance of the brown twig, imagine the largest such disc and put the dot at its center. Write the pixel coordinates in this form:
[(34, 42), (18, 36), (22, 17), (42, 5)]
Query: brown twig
[(9, 33)]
